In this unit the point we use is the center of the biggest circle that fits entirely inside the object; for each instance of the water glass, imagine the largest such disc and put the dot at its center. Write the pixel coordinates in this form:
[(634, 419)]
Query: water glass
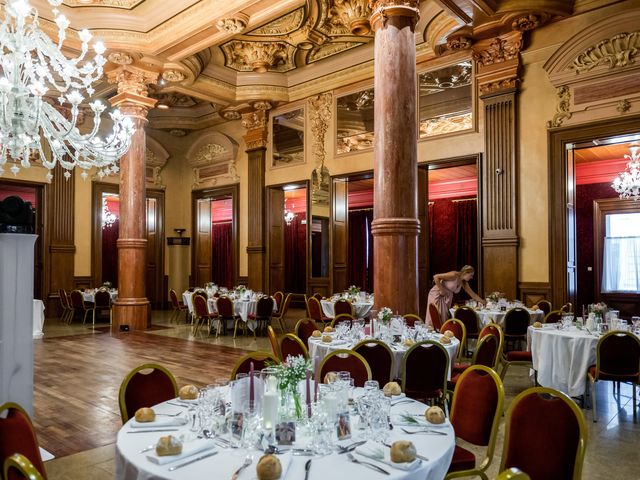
[(371, 385)]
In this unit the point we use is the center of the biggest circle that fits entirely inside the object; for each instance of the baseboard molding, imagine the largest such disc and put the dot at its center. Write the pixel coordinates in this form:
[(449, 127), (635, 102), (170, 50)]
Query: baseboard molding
[(532, 292)]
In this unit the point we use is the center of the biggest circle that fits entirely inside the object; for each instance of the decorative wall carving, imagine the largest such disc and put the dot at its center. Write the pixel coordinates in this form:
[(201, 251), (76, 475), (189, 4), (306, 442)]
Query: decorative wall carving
[(617, 51), (623, 106), (231, 115), (208, 154), (319, 118), (213, 160), (234, 24), (156, 157), (499, 50), (563, 110), (173, 75), (492, 87), (259, 56), (529, 21), (120, 58)]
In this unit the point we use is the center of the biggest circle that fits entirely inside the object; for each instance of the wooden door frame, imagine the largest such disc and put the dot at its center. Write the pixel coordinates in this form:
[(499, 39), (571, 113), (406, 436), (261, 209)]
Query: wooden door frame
[(213, 194), (559, 139)]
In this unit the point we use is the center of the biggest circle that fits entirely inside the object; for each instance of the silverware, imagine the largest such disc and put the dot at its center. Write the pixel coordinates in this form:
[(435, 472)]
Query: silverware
[(425, 431), (169, 414), (400, 402), (373, 466), (146, 449), (307, 467), (154, 430), (350, 448), (193, 460), (177, 404), (247, 461), (421, 457)]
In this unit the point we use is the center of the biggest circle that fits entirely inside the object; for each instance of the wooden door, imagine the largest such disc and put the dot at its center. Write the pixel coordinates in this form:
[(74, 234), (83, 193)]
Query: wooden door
[(340, 234), (423, 239), (572, 274), (275, 238), (155, 249), (202, 242)]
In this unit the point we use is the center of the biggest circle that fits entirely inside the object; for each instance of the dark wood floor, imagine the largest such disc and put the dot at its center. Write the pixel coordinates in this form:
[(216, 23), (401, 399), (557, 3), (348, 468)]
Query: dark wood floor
[(77, 379)]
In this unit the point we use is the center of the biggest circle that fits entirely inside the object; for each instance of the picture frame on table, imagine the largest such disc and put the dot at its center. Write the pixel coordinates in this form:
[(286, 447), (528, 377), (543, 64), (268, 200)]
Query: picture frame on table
[(286, 433), (237, 424), (343, 426)]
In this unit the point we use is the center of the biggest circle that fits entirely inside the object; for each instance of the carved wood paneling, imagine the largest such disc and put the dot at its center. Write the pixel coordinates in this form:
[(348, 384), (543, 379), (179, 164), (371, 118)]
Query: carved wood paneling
[(202, 242), (532, 292), (275, 249), (82, 281), (339, 235), (256, 219)]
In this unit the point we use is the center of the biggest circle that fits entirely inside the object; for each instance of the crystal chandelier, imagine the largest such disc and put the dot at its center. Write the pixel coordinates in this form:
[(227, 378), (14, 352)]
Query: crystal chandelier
[(108, 218), (627, 183), (289, 216), (32, 66)]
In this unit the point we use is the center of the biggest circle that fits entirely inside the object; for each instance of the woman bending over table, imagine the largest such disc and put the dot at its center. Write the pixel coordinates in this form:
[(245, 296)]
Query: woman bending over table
[(446, 284)]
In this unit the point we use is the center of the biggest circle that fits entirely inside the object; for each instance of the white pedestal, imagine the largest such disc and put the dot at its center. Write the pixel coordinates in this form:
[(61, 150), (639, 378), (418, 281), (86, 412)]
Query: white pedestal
[(16, 319)]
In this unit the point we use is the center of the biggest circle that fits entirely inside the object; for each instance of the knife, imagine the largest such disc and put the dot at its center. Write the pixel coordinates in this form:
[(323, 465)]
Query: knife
[(193, 460), (352, 447), (307, 467), (154, 430)]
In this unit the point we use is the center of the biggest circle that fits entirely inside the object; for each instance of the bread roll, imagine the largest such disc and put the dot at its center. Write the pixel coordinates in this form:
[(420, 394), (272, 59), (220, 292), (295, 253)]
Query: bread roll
[(145, 415), (327, 338), (188, 392), (328, 329), (408, 342), (403, 451), (168, 445), (268, 468), (391, 388), (316, 333), (445, 340), (449, 334), (535, 307), (330, 377), (434, 415), (537, 325)]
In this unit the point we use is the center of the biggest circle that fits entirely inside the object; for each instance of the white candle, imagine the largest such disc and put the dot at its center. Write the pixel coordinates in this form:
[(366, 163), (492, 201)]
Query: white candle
[(269, 409)]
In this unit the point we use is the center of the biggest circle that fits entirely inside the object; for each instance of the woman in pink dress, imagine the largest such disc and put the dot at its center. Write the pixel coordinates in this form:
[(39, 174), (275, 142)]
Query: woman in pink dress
[(446, 284)]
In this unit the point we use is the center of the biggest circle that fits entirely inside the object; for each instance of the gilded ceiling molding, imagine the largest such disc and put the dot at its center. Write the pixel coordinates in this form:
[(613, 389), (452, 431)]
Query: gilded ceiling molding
[(256, 124), (233, 25), (330, 49), (259, 56), (563, 109), (131, 79), (617, 51), (231, 115), (262, 105), (173, 75), (178, 132), (282, 26), (529, 21), (352, 14), (120, 58), (128, 4)]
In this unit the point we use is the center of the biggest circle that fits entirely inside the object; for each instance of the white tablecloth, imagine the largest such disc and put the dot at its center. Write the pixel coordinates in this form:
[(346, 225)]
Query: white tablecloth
[(242, 308), (131, 465), (562, 357), (38, 318), (319, 349), (497, 316), (90, 295), (361, 309)]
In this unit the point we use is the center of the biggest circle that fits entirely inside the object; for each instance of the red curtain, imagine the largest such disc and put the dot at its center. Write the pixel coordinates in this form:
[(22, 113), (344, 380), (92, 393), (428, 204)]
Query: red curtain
[(295, 255), (361, 249), (466, 219), (110, 253), (222, 254)]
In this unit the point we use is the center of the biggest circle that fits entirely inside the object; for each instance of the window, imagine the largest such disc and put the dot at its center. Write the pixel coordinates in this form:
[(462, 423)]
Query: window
[(621, 259)]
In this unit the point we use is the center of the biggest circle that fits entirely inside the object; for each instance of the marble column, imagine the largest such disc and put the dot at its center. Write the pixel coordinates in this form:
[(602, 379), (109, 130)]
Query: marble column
[(256, 147), (395, 226), (132, 307)]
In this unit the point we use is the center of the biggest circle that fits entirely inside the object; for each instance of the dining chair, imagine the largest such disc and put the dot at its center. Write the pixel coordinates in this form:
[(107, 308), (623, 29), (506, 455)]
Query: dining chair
[(433, 314), (260, 360), (304, 328), (469, 317), (282, 311), (102, 302), (264, 313), (291, 345), (545, 306), (201, 314), (317, 296), (485, 354), (567, 308), (17, 435), (516, 322), (545, 435), (349, 361), (145, 386), (226, 313), (279, 298), (315, 311), (273, 340), (476, 411), (513, 474), (17, 466), (459, 331), (177, 306), (554, 316), (617, 360), (67, 309), (342, 317), (80, 306), (379, 357), (425, 366), (342, 305), (410, 319)]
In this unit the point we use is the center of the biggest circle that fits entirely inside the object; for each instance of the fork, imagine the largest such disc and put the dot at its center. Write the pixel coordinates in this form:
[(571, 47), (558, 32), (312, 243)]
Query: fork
[(373, 466), (247, 461), (425, 431)]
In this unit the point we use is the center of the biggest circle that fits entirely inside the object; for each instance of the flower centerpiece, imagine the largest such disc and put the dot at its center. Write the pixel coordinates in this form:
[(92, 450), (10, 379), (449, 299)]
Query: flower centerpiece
[(289, 375), (240, 290), (107, 284), (210, 285), (384, 315), (353, 291), (494, 297), (598, 309)]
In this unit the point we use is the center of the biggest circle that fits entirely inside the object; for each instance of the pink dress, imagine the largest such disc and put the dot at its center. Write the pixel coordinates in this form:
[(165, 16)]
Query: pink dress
[(443, 301)]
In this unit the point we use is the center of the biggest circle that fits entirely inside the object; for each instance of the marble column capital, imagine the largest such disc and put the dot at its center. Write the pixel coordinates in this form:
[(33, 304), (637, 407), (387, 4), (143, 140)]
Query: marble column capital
[(381, 10), (256, 123)]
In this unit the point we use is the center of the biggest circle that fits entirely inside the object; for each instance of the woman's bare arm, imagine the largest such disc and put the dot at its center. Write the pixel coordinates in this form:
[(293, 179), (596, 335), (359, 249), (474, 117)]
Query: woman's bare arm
[(472, 294)]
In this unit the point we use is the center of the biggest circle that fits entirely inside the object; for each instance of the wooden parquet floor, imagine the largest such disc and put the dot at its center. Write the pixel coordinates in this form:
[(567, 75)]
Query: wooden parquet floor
[(77, 378)]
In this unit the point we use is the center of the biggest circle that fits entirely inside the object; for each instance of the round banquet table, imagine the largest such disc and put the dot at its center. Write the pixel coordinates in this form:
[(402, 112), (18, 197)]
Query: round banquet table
[(133, 465), (360, 309), (319, 349), (562, 357), (497, 316)]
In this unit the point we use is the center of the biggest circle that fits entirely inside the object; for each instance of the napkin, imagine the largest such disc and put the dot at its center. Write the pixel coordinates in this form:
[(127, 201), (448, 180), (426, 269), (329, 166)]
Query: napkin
[(188, 449), (398, 419), (160, 422), (383, 455)]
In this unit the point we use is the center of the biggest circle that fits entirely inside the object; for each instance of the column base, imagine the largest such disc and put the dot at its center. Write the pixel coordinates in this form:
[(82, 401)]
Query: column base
[(134, 312)]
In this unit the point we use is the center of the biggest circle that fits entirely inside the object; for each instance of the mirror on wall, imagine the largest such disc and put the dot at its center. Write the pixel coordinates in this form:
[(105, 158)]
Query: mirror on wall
[(354, 120), (446, 100), (288, 138)]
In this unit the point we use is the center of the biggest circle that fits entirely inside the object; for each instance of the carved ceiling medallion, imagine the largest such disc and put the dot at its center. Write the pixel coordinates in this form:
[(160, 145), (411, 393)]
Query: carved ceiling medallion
[(233, 25), (173, 75), (231, 115), (120, 58)]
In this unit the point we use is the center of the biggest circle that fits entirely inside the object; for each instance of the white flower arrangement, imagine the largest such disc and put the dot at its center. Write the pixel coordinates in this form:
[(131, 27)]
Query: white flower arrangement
[(353, 290), (385, 314), (495, 296)]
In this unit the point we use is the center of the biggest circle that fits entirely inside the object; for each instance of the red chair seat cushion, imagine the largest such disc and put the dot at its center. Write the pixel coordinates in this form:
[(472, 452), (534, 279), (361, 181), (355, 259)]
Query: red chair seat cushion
[(462, 460), (459, 367), (613, 378), (519, 356)]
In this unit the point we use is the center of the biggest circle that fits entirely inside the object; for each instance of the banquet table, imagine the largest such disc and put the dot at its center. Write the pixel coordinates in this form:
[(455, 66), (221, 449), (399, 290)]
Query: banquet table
[(319, 349), (487, 316), (562, 357), (90, 295), (360, 309), (133, 465)]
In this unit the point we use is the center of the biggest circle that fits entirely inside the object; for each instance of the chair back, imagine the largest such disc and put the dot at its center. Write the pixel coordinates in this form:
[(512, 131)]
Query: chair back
[(315, 309), (516, 322), (273, 340), (64, 301), (411, 319), (342, 306), (553, 316), (77, 301), (567, 308), (19, 466), (304, 329), (552, 422), (495, 330), (379, 357), (285, 307), (139, 389), (259, 360), (279, 298), (434, 315), (343, 317), (486, 352), (317, 296), (618, 357), (349, 361), (477, 406), (200, 306), (264, 307), (175, 303), (291, 345), (103, 299), (545, 306), (459, 331), (513, 474), (469, 317), (425, 367), (224, 305), (17, 435)]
